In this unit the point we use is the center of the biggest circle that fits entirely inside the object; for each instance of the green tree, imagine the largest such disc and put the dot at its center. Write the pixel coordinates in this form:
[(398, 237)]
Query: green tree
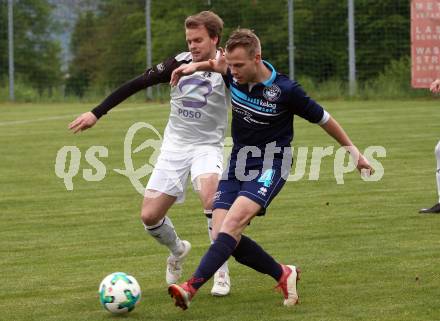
[(36, 53), (383, 35), (121, 41), (109, 44), (83, 45), (321, 41), (267, 18), (167, 27), (3, 40)]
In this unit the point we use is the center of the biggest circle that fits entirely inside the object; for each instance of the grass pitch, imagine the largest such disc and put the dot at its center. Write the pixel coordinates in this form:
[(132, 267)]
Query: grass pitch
[(365, 252)]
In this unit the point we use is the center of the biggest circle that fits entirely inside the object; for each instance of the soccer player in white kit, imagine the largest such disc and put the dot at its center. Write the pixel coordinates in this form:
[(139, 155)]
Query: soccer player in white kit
[(435, 88), (193, 140)]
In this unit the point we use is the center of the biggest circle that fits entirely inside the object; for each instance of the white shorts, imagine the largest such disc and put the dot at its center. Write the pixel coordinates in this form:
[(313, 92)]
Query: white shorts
[(172, 169)]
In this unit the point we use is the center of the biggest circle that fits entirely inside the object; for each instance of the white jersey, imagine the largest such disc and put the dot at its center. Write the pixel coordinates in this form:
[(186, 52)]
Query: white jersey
[(194, 135), (198, 114)]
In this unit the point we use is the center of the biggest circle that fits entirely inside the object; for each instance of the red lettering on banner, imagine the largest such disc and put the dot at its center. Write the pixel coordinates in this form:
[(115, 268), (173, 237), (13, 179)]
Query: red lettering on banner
[(425, 42)]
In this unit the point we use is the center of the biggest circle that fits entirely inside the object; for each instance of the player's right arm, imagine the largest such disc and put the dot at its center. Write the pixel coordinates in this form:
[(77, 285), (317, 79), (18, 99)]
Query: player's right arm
[(310, 110), (160, 73), (435, 86)]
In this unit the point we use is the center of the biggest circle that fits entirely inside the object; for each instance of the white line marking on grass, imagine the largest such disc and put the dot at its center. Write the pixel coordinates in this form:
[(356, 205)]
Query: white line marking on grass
[(27, 121)]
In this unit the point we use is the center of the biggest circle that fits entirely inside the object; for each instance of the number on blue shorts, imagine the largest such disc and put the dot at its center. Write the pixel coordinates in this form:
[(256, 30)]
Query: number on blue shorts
[(267, 177)]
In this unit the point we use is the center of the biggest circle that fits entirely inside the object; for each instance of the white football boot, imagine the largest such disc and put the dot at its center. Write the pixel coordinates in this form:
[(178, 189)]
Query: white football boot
[(222, 284), (174, 264)]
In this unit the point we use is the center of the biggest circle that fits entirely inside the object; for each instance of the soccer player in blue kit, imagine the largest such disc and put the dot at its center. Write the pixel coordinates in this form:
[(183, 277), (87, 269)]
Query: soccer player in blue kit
[(264, 103)]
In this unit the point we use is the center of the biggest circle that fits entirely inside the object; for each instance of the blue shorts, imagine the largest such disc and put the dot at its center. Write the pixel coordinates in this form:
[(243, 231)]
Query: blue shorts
[(261, 188)]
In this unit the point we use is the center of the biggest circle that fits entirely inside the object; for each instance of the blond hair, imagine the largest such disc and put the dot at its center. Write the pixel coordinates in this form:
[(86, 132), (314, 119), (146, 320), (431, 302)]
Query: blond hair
[(208, 19), (246, 39)]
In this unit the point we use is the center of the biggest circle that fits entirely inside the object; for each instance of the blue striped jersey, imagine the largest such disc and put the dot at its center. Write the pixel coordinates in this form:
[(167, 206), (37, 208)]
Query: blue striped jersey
[(264, 113)]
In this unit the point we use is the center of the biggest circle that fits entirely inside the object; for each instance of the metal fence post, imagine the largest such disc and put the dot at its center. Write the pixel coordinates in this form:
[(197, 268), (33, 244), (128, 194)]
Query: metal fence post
[(11, 49), (148, 41), (291, 46), (351, 50)]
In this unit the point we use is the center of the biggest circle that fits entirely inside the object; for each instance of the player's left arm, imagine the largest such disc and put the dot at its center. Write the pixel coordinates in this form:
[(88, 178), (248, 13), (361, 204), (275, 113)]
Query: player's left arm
[(332, 127)]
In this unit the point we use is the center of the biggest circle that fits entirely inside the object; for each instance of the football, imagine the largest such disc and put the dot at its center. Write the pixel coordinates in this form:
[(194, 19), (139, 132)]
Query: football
[(119, 293)]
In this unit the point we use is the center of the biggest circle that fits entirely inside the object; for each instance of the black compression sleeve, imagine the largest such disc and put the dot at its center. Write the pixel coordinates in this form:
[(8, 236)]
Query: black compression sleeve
[(126, 90), (160, 73)]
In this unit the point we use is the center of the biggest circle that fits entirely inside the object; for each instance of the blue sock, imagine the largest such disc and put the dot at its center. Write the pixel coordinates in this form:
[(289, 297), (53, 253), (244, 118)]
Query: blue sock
[(249, 253), (217, 254)]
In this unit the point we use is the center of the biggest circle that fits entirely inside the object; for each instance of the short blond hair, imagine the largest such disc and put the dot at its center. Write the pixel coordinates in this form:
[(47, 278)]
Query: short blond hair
[(246, 39), (208, 19)]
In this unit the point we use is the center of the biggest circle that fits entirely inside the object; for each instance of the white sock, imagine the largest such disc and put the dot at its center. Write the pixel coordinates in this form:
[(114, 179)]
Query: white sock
[(165, 234), (208, 214), (437, 155)]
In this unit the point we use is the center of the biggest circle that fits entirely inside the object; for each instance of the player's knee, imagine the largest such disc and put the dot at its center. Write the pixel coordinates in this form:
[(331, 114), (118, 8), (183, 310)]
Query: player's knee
[(231, 228), (214, 232), (233, 225), (208, 203), (149, 217), (207, 199), (218, 217), (437, 150)]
